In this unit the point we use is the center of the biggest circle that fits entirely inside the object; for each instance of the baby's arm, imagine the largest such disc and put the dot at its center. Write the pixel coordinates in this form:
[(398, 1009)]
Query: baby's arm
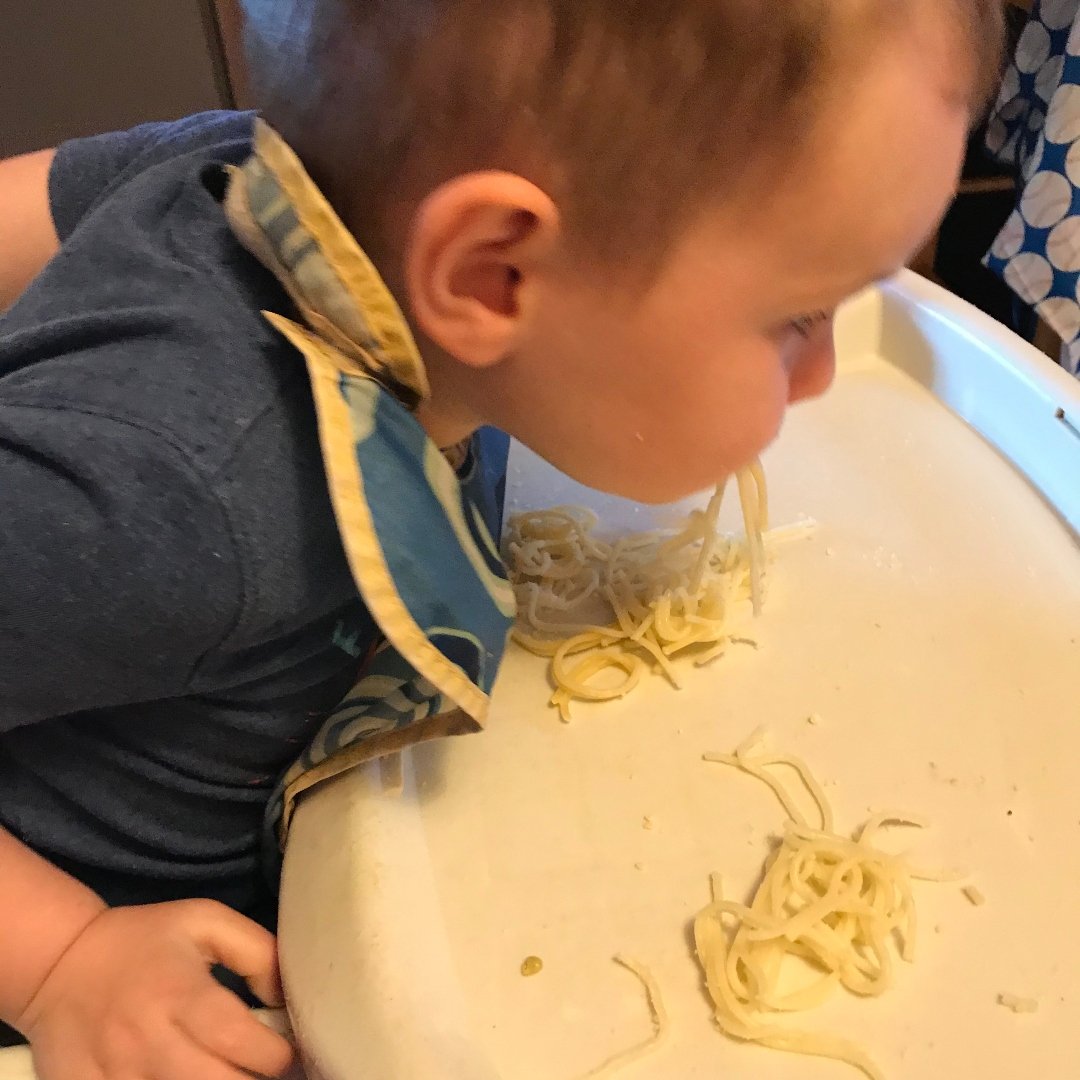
[(42, 911), (127, 992), (27, 235), (119, 576)]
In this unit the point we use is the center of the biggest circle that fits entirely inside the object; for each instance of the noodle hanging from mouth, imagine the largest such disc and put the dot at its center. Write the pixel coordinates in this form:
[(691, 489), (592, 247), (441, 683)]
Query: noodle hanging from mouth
[(662, 594)]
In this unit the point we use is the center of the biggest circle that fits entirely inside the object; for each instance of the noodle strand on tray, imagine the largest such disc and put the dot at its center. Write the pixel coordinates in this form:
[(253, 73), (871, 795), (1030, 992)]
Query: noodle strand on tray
[(837, 905), (653, 596), (660, 1024)]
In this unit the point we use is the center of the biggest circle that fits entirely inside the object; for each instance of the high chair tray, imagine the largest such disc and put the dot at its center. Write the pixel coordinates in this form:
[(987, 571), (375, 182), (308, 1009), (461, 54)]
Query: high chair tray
[(930, 623)]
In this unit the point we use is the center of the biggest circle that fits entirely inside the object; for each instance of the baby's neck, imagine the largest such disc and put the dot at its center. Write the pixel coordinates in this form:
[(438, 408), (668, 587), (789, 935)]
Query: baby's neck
[(445, 415)]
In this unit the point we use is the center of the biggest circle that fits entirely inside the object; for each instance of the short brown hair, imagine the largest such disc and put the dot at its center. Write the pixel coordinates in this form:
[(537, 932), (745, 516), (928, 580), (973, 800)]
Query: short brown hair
[(631, 113)]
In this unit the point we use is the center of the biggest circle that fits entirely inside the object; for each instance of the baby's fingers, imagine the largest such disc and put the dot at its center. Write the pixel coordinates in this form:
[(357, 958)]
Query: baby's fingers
[(187, 1060), (243, 946), (222, 1025)]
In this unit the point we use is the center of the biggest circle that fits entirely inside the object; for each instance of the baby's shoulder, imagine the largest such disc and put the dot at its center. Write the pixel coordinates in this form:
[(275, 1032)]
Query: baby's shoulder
[(152, 312)]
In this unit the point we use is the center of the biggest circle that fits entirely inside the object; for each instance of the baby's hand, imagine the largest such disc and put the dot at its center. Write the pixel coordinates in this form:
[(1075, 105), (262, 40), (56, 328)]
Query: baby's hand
[(133, 999)]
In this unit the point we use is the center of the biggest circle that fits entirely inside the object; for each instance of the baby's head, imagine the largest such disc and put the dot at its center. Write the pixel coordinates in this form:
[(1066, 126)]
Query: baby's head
[(619, 227)]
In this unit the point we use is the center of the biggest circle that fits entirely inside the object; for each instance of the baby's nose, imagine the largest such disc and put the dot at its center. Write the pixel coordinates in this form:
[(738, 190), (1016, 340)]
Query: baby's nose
[(815, 364)]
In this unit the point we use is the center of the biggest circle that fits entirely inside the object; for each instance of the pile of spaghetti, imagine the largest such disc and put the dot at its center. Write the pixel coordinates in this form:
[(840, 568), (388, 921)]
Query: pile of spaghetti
[(652, 596), (829, 912)]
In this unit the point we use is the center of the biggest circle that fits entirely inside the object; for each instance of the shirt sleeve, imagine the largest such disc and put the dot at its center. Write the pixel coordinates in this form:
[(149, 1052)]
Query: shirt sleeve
[(118, 569), (85, 170)]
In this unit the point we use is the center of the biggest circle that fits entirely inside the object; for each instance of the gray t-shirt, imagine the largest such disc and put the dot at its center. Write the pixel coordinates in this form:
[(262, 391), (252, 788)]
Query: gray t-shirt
[(176, 611)]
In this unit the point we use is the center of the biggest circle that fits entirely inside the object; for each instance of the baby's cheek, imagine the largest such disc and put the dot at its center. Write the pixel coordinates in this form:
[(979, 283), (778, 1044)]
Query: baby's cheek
[(734, 432), (703, 425)]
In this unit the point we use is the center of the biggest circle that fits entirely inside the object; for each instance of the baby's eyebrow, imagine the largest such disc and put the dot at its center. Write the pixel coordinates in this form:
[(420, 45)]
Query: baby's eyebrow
[(831, 296), (864, 281)]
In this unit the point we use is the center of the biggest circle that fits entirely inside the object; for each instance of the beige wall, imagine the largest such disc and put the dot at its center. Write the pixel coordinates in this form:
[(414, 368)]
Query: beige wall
[(74, 67)]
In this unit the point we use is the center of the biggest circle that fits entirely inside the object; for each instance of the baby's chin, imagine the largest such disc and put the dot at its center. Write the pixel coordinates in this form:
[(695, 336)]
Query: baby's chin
[(655, 473), (655, 489), (640, 484)]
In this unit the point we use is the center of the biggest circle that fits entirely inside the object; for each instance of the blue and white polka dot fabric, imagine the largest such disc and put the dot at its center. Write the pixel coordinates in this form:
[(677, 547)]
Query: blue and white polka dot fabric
[(1035, 127)]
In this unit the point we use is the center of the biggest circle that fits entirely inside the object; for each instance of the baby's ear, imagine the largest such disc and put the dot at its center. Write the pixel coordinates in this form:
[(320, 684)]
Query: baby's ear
[(475, 248)]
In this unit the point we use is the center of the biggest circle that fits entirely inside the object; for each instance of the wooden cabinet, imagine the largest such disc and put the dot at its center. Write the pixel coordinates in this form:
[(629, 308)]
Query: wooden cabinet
[(100, 65), (229, 18)]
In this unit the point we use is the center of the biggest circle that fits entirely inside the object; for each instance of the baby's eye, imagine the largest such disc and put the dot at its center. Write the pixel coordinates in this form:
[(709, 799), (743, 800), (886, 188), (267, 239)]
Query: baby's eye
[(804, 324)]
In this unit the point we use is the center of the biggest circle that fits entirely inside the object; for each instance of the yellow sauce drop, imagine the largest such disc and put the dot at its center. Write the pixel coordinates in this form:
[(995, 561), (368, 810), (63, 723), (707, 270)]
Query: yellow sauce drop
[(532, 965)]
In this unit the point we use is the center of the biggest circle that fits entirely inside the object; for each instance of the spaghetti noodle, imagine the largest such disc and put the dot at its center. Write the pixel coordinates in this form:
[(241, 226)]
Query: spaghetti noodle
[(654, 596), (659, 1022), (835, 904)]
